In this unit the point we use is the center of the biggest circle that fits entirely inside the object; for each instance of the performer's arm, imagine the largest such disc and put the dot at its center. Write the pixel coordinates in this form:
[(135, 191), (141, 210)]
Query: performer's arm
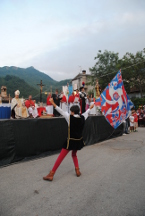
[(65, 114), (87, 112)]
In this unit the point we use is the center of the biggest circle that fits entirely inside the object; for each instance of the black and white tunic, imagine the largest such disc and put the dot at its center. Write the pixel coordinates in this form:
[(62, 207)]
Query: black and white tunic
[(75, 129)]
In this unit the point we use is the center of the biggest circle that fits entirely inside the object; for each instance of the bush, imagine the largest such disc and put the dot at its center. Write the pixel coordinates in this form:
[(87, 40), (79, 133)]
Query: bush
[(138, 102)]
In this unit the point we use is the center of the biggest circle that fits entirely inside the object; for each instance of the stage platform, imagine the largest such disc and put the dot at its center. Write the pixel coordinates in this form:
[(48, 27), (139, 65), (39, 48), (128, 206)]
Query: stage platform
[(22, 139)]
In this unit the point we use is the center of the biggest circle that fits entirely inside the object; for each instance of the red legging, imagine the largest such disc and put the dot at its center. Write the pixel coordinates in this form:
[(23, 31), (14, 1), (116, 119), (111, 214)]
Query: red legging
[(62, 155)]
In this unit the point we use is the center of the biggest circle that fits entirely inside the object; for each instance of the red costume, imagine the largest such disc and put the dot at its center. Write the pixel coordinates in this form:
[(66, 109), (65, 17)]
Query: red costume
[(29, 103), (48, 102), (135, 117), (71, 99), (63, 99), (78, 96)]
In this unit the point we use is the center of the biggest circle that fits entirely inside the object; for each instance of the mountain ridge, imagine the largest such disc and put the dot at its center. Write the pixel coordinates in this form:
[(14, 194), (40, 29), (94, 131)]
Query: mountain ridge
[(33, 76)]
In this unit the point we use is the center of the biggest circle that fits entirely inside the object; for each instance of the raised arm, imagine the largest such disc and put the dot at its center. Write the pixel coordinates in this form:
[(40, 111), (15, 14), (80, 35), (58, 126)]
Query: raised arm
[(65, 114), (87, 112)]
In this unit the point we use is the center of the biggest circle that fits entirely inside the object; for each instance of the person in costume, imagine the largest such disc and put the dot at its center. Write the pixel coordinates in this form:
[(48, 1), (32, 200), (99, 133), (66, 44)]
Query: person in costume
[(135, 120), (74, 141), (131, 119), (71, 100), (93, 111), (87, 102), (49, 107), (63, 102), (18, 107), (77, 98), (30, 104), (56, 97), (83, 99)]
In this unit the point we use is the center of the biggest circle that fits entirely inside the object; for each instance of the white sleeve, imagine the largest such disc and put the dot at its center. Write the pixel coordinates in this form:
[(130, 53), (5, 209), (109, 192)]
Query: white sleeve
[(86, 114), (13, 103), (65, 114)]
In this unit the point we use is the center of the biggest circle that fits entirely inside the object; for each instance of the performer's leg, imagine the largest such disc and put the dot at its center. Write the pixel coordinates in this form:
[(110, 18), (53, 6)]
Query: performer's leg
[(75, 160), (60, 158)]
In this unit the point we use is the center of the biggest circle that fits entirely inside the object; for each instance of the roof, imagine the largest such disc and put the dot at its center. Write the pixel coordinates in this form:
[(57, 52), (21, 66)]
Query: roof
[(80, 75)]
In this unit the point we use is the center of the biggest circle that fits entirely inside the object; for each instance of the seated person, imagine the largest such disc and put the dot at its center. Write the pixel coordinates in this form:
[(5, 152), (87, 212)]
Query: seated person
[(30, 104), (49, 107), (18, 107)]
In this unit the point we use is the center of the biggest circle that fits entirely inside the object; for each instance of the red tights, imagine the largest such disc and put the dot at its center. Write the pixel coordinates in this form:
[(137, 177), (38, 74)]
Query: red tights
[(62, 155)]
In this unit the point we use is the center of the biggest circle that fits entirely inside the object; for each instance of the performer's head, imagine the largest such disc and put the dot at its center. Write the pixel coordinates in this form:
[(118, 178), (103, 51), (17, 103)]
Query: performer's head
[(30, 97), (56, 91), (49, 94), (82, 89), (74, 110), (17, 93)]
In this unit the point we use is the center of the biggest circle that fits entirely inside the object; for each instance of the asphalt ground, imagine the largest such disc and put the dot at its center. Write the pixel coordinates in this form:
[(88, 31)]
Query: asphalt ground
[(112, 182)]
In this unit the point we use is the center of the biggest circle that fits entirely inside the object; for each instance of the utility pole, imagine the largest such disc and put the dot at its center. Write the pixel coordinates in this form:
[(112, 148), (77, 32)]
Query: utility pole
[(41, 87)]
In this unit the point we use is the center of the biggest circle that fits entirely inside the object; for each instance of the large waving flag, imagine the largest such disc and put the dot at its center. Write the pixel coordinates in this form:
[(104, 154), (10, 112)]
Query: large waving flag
[(114, 102)]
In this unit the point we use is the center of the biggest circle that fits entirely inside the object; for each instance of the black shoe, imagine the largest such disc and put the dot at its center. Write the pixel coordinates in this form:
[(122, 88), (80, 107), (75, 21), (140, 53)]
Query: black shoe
[(126, 132)]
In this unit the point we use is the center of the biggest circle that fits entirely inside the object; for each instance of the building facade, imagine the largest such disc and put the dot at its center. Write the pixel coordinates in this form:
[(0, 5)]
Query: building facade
[(79, 79)]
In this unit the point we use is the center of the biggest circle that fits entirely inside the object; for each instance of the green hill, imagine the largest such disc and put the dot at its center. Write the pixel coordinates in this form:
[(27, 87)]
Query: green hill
[(29, 75), (13, 83), (32, 76)]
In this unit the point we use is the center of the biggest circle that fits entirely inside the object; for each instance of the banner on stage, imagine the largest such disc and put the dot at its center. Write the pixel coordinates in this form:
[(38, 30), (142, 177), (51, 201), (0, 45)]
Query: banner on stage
[(114, 102)]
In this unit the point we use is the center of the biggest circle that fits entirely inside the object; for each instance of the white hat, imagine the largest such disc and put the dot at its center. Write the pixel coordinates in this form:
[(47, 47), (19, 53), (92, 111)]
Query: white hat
[(17, 92)]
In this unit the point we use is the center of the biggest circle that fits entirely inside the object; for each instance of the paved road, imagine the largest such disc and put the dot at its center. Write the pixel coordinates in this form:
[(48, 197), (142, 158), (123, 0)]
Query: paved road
[(112, 182)]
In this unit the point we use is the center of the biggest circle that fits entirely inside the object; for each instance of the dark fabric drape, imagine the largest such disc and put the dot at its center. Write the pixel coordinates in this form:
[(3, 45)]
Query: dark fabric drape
[(98, 129), (20, 139)]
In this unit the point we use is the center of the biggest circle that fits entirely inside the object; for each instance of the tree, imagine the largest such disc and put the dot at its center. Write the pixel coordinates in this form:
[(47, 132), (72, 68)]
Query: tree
[(105, 68), (134, 70)]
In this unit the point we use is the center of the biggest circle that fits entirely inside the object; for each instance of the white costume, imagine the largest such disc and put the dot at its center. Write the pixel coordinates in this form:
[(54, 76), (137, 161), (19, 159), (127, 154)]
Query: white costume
[(33, 111), (131, 119), (49, 109), (93, 110), (63, 106), (19, 107)]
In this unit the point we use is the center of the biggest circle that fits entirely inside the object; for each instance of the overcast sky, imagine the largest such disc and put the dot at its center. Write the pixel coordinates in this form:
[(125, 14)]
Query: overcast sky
[(61, 37)]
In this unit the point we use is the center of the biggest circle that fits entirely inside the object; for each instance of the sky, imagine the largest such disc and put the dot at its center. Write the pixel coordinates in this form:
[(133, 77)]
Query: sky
[(62, 37)]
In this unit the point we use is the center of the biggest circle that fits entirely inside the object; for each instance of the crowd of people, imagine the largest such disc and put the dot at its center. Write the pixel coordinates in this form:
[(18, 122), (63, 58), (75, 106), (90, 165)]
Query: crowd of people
[(135, 120), (29, 109), (79, 98)]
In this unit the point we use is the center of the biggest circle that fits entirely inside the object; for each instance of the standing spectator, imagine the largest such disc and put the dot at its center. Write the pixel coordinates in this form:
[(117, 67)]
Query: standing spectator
[(135, 120), (49, 107), (141, 123), (63, 102), (71, 100), (83, 99), (125, 126), (87, 103), (131, 119), (56, 98), (77, 98)]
